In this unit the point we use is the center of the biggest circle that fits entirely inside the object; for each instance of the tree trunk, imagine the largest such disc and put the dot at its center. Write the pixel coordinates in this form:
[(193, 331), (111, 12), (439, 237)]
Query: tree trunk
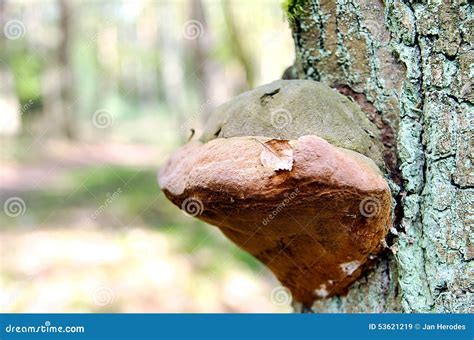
[(66, 92), (237, 45), (409, 65)]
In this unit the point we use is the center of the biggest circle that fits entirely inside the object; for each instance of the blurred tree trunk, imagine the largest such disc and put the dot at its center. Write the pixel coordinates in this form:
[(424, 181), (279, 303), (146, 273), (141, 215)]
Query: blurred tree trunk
[(409, 65), (66, 92), (237, 46), (199, 51), (171, 56)]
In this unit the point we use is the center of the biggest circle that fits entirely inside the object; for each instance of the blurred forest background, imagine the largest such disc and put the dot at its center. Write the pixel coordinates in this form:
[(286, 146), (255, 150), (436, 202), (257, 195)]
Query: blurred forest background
[(94, 95)]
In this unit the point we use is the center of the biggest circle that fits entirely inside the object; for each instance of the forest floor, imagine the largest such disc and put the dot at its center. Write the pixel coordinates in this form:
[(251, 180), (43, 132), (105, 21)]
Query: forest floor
[(95, 234)]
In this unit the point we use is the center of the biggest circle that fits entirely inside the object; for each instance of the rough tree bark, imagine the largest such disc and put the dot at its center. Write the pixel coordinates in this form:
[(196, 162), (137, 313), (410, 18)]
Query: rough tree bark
[(409, 64)]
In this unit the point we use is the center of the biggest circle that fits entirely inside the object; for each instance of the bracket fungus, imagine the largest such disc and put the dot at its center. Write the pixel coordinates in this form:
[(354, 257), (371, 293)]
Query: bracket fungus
[(290, 172)]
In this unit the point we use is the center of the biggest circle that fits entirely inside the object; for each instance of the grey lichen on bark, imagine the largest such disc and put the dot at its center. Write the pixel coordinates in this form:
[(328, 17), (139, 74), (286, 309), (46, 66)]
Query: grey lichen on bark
[(410, 66)]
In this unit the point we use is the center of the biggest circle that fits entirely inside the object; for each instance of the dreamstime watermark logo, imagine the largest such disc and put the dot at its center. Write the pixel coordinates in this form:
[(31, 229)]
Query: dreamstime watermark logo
[(103, 119), (46, 328), (192, 206), (281, 118), (11, 122), (281, 296), (27, 106), (193, 29), (14, 207), (369, 207), (103, 296), (14, 29), (110, 198), (280, 207)]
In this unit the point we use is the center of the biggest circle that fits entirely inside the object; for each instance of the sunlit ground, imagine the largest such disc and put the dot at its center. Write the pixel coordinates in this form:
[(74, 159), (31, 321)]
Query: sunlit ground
[(95, 234)]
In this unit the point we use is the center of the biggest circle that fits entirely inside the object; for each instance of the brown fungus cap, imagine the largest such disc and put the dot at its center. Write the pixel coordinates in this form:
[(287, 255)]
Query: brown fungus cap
[(289, 109), (312, 212)]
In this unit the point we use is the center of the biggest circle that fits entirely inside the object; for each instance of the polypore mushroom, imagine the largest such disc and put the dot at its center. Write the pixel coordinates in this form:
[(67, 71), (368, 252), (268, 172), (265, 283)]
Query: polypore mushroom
[(284, 171)]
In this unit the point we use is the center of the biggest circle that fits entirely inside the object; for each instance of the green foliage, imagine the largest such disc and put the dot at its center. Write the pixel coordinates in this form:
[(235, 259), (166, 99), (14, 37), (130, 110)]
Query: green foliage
[(294, 9), (27, 70)]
